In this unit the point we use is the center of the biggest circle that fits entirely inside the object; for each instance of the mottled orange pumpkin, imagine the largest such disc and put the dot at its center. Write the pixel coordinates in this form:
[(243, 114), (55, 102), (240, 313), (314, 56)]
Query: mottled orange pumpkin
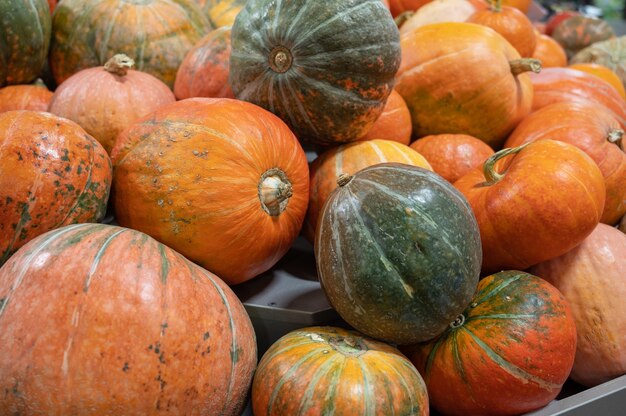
[(34, 97), (52, 173), (222, 181), (123, 325), (578, 32), (528, 211), (394, 123), (204, 70), (104, 100), (549, 52), (349, 159)]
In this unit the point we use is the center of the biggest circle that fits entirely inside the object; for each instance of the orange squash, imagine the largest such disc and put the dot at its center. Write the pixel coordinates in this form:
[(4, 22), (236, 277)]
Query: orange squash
[(105, 100), (443, 80), (394, 123), (439, 11), (592, 129), (603, 72), (349, 159), (35, 97), (528, 211), (52, 173), (549, 52), (222, 181), (221, 12), (591, 277), (452, 155), (398, 7)]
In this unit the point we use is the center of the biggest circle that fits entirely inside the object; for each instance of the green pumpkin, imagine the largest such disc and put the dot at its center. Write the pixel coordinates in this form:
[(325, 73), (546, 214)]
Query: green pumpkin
[(325, 67), (24, 40), (398, 252)]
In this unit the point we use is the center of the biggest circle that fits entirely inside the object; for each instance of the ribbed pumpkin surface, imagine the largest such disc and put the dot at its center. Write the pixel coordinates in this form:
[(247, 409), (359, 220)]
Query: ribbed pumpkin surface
[(24, 40), (221, 12), (123, 325), (25, 97), (324, 67), (326, 370), (508, 353), (610, 53), (52, 174), (155, 33), (398, 252), (222, 181)]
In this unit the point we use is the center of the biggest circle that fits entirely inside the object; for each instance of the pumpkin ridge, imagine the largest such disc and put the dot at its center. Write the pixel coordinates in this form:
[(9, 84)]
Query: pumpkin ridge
[(102, 53), (299, 104), (165, 264), (400, 377), (508, 367), (20, 224), (500, 316), (587, 193), (323, 57), (315, 85), (431, 357), (40, 31), (379, 153), (484, 295), (324, 369), (369, 407), (458, 363), (98, 256)]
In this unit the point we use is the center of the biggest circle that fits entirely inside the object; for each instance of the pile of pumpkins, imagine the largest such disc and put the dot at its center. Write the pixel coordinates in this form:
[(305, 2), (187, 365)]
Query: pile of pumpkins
[(466, 204)]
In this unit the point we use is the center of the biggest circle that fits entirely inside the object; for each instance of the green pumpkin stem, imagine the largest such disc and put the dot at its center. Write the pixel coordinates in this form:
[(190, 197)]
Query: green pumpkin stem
[(403, 17), (119, 64), (615, 136), (519, 66), (489, 167)]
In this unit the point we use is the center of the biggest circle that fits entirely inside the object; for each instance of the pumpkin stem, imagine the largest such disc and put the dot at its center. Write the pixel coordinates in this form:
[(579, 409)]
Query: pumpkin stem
[(39, 83), (495, 6), (489, 167), (343, 179), (350, 346), (274, 191), (460, 320), (280, 59), (615, 136), (119, 64), (519, 66), (403, 17)]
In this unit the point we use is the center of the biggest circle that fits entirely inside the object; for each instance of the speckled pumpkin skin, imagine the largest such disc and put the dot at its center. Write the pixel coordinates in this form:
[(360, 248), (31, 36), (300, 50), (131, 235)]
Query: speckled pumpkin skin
[(123, 325), (155, 33), (510, 354), (326, 370), (398, 252), (52, 173), (325, 67), (25, 97), (24, 40)]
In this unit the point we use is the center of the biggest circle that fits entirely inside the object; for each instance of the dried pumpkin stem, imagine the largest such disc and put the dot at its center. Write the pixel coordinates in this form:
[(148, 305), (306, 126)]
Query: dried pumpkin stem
[(348, 345), (274, 191), (119, 64), (280, 59), (496, 6), (489, 167), (459, 321), (519, 66), (615, 136), (343, 179)]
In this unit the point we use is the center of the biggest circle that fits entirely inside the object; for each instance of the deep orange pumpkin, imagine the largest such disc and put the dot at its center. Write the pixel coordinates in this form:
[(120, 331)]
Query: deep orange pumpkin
[(394, 123), (591, 277), (34, 97), (452, 155), (443, 80), (327, 370), (124, 325), (603, 72), (592, 129), (549, 52), (52, 174), (508, 353), (155, 33), (221, 12), (565, 84), (531, 212), (204, 70), (105, 100), (222, 181), (511, 23), (349, 159)]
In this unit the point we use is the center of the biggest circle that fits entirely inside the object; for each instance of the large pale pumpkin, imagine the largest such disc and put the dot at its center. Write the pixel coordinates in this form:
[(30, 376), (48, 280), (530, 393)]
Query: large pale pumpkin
[(222, 181), (592, 278), (610, 53), (102, 320), (447, 89), (52, 173), (155, 33), (327, 370), (398, 252), (24, 40), (325, 67)]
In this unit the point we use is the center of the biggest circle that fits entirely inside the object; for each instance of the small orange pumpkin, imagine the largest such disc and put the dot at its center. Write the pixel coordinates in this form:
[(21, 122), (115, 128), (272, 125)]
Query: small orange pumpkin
[(34, 97), (549, 52), (394, 123)]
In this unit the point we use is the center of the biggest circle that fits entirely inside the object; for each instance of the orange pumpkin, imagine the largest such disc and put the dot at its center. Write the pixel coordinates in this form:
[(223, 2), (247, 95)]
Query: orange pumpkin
[(443, 80), (222, 181), (349, 159), (591, 277), (452, 155), (204, 70), (549, 52), (394, 123), (35, 97), (398, 7), (439, 11), (52, 174), (592, 129), (124, 326), (603, 72), (221, 12), (528, 211), (511, 23), (521, 5), (104, 100)]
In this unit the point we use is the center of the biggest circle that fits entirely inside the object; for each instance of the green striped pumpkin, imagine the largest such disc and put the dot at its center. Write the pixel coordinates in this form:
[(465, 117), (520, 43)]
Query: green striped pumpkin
[(103, 320), (327, 370), (325, 67), (398, 252), (25, 28)]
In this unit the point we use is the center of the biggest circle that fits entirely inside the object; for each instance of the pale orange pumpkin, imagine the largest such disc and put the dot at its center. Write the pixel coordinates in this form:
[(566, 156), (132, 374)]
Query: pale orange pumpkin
[(394, 123), (549, 52), (34, 97)]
